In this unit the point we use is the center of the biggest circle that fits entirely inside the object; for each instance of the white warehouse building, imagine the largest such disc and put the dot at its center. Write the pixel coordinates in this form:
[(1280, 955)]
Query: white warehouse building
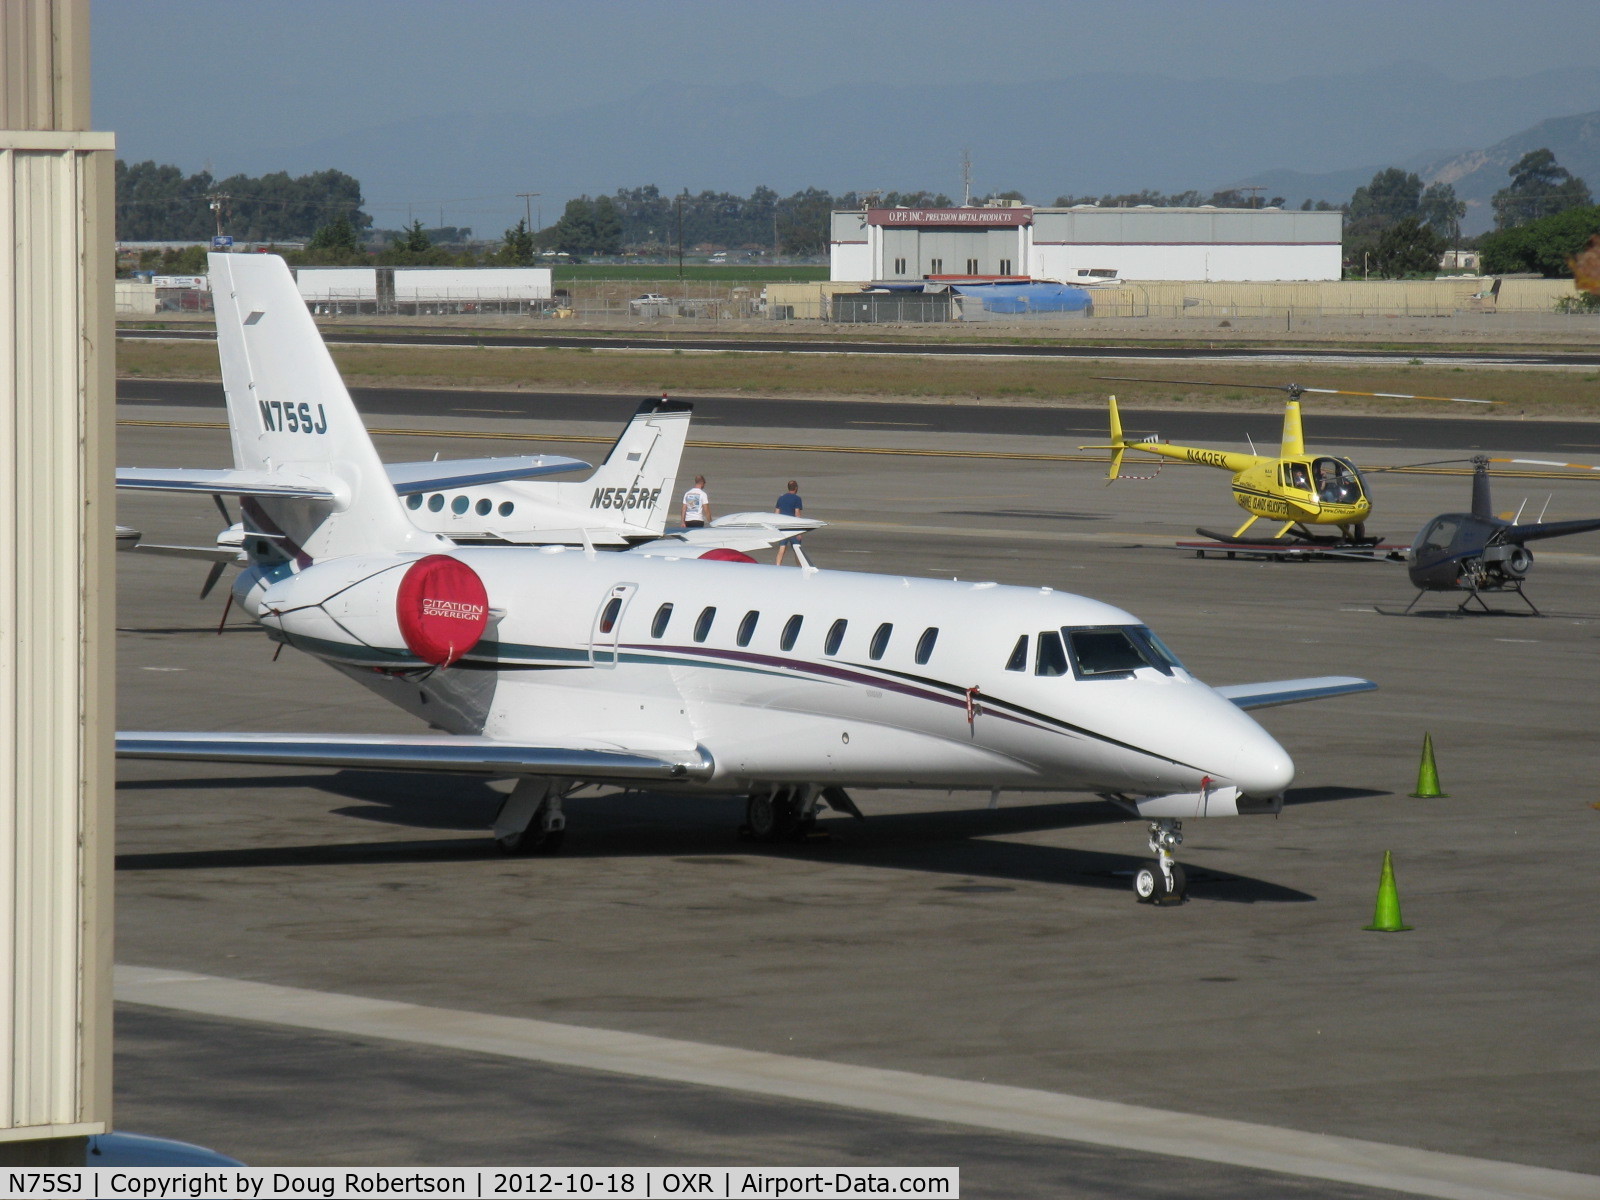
[(1082, 243)]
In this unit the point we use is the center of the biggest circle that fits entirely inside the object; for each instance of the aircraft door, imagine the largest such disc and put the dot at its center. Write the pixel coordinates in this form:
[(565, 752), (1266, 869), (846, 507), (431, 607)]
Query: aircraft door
[(607, 630)]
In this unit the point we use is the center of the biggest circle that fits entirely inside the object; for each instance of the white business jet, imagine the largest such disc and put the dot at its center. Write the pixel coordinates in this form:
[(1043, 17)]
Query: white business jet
[(560, 667)]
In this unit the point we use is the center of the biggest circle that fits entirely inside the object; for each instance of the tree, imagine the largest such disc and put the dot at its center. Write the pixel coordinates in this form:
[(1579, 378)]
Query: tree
[(1544, 245), (1441, 212), (607, 227), (1392, 196), (336, 239), (1408, 247), (1540, 187), (518, 248), (574, 232), (414, 239)]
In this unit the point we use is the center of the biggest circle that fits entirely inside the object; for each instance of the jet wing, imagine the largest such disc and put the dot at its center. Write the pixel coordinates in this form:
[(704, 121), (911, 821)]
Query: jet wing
[(1293, 691), (225, 482), (420, 752), (465, 472)]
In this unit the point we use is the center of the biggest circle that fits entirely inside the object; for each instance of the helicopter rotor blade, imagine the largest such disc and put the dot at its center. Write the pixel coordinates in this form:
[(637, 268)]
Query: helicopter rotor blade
[(1545, 462), (1295, 389)]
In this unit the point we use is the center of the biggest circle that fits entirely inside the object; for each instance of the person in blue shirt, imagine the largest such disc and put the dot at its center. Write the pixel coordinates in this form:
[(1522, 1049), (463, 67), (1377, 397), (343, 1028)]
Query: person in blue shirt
[(789, 505)]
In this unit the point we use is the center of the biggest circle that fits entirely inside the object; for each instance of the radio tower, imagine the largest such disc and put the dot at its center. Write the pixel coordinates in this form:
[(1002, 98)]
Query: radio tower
[(966, 178)]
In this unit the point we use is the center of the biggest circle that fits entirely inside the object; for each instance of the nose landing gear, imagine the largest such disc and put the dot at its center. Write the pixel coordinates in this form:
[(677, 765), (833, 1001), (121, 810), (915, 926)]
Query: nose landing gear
[(1161, 882)]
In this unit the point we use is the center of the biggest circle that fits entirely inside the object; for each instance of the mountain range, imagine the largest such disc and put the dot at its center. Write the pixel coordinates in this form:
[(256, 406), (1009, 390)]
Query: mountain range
[(1316, 137)]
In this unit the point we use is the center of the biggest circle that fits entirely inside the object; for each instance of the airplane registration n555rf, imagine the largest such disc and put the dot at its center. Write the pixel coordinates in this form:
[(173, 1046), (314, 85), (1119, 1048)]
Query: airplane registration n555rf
[(564, 666)]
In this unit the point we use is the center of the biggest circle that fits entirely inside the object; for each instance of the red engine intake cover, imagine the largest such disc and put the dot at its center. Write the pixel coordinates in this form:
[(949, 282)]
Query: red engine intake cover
[(723, 554), (443, 609)]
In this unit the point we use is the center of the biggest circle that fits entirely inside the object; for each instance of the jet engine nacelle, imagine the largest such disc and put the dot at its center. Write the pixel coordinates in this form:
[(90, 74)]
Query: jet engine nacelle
[(381, 611)]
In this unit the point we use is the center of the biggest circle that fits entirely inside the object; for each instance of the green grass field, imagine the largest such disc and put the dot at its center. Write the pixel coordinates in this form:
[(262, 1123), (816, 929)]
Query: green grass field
[(733, 275)]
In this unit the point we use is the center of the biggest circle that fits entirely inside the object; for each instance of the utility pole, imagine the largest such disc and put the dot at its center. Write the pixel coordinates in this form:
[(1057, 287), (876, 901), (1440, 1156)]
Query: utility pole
[(219, 204), (527, 218), (527, 207), (966, 178)]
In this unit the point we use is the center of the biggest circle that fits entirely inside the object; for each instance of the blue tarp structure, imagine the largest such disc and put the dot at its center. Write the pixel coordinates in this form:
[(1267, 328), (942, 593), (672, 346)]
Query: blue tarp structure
[(1026, 297)]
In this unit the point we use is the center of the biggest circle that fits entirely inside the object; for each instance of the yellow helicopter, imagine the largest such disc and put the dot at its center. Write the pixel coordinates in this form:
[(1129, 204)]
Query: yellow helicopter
[(1293, 488)]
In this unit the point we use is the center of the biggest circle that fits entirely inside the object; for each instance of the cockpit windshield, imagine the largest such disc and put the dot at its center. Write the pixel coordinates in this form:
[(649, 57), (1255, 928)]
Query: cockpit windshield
[(1338, 482), (1116, 651)]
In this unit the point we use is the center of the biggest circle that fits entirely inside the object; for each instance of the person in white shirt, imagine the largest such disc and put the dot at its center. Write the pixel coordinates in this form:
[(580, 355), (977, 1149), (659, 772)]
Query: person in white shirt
[(696, 504)]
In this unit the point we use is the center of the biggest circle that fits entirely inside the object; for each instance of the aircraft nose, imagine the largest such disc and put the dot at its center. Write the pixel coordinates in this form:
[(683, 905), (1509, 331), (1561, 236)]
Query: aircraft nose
[(1261, 767)]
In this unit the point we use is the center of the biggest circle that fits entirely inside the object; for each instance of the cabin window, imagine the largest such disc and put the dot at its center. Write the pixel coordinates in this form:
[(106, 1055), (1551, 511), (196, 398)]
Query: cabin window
[(507, 508), (791, 632), (1050, 658), (880, 641), (658, 625), (1019, 655), (608, 615), (1116, 651), (435, 502), (414, 500), (459, 505), (930, 635), (483, 507), (702, 624), (835, 638), (747, 627), (1440, 534)]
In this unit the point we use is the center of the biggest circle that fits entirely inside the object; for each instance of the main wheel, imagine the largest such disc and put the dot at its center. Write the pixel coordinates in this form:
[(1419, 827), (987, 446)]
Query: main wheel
[(770, 816), (1150, 884), (535, 839)]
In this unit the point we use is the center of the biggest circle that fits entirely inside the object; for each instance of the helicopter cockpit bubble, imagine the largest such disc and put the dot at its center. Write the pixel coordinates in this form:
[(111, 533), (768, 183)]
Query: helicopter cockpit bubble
[(1439, 535), (1338, 481)]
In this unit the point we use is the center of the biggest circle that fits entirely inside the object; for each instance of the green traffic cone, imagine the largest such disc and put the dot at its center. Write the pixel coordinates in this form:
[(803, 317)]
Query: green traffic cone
[(1428, 774), (1386, 915)]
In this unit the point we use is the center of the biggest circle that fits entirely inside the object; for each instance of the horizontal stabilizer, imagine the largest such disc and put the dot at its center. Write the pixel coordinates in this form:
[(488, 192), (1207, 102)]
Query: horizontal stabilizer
[(420, 752), (215, 554), (222, 482), (738, 531), (1294, 691), (466, 472)]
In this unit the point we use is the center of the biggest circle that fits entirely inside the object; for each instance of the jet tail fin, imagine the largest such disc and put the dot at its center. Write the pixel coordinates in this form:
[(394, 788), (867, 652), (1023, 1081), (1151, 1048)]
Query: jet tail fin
[(635, 482), (289, 414)]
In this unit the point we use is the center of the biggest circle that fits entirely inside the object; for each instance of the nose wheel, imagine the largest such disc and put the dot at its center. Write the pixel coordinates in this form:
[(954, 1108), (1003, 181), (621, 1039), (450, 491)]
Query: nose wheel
[(1161, 882)]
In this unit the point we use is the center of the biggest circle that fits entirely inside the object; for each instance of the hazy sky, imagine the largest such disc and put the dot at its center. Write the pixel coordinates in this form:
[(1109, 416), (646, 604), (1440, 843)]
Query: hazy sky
[(198, 82)]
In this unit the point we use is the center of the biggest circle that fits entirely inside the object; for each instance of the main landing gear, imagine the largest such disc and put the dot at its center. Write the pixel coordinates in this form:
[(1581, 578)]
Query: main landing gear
[(530, 820), (789, 814), (1161, 882)]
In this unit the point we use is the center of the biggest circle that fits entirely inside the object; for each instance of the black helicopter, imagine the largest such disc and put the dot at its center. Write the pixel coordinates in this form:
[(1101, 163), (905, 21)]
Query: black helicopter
[(1477, 552)]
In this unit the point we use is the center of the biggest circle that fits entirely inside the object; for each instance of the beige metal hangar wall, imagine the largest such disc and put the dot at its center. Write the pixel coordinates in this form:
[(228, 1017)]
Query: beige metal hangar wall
[(56, 589)]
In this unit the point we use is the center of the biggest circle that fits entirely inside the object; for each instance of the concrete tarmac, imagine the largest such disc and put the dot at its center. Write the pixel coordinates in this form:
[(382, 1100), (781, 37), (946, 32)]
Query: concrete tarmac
[(937, 937)]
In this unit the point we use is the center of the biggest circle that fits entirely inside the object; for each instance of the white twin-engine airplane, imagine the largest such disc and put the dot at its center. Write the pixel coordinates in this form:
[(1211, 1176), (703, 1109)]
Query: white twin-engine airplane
[(560, 667)]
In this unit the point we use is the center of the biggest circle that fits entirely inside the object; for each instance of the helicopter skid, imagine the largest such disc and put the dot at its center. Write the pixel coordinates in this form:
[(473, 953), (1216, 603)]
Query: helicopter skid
[(1296, 548)]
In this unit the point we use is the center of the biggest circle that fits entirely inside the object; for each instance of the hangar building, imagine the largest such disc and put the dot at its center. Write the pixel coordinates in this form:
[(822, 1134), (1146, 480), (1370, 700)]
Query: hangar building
[(1076, 245)]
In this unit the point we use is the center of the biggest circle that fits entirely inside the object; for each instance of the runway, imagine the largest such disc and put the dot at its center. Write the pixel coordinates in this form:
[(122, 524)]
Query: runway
[(937, 939), (807, 344)]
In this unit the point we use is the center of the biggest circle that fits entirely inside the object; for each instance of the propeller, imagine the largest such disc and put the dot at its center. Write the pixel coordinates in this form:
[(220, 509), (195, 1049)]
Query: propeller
[(215, 573), (1295, 390)]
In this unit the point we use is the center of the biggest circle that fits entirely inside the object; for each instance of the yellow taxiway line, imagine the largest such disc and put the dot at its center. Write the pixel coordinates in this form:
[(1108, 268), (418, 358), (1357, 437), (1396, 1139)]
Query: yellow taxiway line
[(812, 448)]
